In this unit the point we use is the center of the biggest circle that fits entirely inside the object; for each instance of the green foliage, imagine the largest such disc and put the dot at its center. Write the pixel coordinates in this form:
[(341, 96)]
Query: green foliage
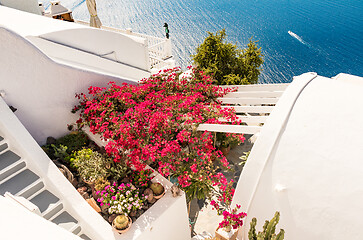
[(268, 232), (198, 189), (228, 64), (228, 139), (90, 165), (60, 151), (244, 157), (74, 141), (117, 170)]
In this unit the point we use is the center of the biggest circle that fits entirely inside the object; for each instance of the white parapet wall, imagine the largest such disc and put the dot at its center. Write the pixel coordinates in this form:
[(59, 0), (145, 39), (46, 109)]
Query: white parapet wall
[(307, 162), (44, 64), (42, 90), (14, 217)]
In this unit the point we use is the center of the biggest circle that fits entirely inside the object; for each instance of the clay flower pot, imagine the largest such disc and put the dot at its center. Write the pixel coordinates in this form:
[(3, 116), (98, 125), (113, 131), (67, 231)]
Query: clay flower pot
[(158, 197), (228, 228), (157, 185), (225, 150), (120, 231)]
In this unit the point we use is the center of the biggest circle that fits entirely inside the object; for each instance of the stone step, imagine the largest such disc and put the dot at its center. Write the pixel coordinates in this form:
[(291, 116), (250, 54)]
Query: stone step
[(3, 146), (7, 158), (12, 169), (65, 220), (84, 236), (53, 211), (45, 200), (76, 229), (31, 188), (18, 182)]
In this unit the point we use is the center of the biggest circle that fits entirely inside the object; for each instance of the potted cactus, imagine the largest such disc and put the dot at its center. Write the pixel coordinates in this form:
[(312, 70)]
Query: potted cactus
[(158, 190), (122, 223), (268, 232)]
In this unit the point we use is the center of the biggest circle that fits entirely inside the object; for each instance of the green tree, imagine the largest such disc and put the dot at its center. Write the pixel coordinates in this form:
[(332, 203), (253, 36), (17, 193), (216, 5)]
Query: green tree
[(228, 64)]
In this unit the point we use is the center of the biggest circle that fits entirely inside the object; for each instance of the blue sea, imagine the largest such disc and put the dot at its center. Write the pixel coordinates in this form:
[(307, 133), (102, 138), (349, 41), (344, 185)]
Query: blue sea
[(296, 36)]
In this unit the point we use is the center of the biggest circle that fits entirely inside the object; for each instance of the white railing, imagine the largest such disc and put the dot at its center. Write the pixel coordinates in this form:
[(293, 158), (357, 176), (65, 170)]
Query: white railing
[(159, 49), (252, 103)]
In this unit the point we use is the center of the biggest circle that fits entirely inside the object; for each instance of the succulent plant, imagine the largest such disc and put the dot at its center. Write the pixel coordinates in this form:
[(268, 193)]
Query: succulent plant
[(121, 222), (150, 195), (268, 232), (101, 183), (157, 188)]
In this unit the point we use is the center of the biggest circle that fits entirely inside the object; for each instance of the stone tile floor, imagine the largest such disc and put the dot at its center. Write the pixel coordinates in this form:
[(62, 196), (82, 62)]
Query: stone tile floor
[(203, 218)]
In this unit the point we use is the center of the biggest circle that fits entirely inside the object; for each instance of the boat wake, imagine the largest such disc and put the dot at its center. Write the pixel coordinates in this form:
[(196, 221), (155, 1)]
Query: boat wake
[(297, 37)]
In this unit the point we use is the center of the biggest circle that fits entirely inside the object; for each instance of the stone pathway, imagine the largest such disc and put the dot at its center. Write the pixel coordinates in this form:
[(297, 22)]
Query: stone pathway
[(203, 217)]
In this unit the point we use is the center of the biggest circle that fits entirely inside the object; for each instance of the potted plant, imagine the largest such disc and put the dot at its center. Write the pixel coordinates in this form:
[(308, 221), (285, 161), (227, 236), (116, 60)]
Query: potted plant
[(158, 190), (232, 219), (122, 223), (268, 231), (122, 199), (228, 140), (90, 165), (99, 185)]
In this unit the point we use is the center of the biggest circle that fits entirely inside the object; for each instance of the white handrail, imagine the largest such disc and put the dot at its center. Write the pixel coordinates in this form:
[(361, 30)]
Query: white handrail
[(159, 48)]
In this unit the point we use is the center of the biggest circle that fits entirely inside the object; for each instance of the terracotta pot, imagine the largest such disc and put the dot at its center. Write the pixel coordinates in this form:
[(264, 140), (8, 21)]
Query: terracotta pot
[(89, 183), (228, 228), (158, 197), (122, 230), (225, 150)]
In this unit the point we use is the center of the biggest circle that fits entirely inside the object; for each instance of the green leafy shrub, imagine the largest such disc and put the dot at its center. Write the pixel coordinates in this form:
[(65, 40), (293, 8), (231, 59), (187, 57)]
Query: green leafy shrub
[(228, 64), (74, 141), (244, 157), (90, 165)]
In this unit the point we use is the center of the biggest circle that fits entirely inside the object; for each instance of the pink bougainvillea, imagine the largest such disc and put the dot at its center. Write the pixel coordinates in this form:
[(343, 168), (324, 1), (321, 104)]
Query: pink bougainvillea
[(155, 123)]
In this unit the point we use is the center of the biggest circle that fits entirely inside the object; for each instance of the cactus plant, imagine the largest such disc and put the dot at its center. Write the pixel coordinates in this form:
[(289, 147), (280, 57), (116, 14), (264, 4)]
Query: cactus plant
[(157, 188), (268, 232), (101, 183), (121, 222)]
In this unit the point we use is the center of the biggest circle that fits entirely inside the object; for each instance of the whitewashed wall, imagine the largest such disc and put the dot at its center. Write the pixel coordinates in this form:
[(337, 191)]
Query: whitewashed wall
[(24, 5), (40, 229), (307, 161), (42, 90)]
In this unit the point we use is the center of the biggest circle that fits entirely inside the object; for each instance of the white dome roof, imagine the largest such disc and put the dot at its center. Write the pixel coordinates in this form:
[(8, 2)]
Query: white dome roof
[(307, 162)]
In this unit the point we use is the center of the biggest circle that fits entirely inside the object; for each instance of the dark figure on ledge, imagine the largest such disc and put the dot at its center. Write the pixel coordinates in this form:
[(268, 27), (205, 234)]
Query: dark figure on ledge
[(166, 30)]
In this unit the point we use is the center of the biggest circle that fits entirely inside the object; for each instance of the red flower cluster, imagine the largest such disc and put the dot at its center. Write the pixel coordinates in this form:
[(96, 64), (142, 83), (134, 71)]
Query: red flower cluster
[(155, 122), (233, 218)]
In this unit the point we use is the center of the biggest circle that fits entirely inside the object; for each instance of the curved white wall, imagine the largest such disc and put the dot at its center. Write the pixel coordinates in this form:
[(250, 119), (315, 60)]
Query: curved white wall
[(42, 90), (307, 161), (118, 47), (30, 6)]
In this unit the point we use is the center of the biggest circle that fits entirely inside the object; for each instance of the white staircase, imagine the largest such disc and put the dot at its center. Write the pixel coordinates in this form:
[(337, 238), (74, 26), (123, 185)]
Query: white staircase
[(19, 180)]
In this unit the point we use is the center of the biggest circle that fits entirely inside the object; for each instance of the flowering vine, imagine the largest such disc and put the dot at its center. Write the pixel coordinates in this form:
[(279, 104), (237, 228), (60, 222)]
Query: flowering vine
[(155, 123)]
